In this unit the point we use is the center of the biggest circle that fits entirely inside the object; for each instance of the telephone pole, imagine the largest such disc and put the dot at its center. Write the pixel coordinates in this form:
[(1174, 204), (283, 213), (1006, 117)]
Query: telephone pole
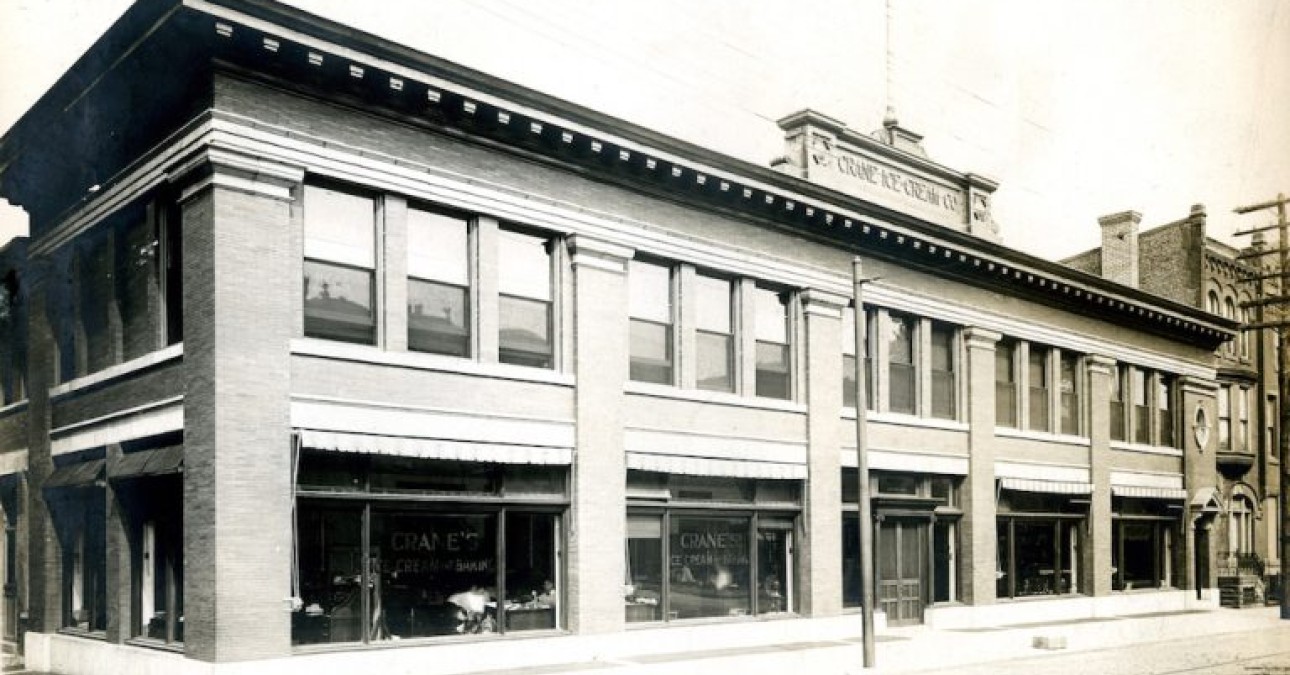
[(1280, 301)]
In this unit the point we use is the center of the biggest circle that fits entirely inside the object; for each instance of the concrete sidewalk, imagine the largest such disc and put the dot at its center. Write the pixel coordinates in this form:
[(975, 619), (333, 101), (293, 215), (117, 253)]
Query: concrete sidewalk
[(921, 649)]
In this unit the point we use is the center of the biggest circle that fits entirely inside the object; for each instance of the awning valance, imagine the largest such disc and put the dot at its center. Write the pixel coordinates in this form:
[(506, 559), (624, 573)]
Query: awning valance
[(1148, 492), (433, 448), (704, 466), (76, 475), (1049, 486), (154, 462)]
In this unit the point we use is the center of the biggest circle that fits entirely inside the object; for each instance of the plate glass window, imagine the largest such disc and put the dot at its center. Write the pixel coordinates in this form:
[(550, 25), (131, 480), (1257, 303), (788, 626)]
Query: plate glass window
[(525, 323), (650, 306), (340, 265), (773, 358), (713, 339), (438, 283)]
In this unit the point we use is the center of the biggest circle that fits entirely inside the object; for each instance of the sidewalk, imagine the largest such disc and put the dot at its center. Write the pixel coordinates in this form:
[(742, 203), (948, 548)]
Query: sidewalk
[(920, 649)]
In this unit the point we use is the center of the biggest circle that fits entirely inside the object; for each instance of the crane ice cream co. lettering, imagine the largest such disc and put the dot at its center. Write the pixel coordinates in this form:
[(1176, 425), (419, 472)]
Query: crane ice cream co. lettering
[(855, 168)]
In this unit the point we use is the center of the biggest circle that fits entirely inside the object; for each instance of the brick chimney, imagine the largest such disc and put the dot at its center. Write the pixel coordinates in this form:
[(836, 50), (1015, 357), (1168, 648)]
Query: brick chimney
[(1120, 247)]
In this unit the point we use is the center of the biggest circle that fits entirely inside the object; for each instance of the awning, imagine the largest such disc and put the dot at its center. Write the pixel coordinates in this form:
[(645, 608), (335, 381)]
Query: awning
[(1049, 486), (154, 462), (76, 475), (1148, 492), (432, 448), (704, 466)]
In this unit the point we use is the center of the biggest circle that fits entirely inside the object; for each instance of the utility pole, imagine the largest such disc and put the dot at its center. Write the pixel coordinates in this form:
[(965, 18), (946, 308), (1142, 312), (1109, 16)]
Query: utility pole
[(862, 466), (1279, 299)]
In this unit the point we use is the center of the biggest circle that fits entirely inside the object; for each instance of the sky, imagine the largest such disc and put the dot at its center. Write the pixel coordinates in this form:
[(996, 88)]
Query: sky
[(1079, 108)]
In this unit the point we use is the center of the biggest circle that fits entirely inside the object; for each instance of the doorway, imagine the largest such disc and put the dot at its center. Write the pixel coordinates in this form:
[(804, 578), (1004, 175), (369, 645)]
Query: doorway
[(902, 565)]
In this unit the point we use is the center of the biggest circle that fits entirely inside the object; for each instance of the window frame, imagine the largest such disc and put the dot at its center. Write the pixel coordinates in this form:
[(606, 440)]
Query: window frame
[(373, 274), (468, 288), (550, 245)]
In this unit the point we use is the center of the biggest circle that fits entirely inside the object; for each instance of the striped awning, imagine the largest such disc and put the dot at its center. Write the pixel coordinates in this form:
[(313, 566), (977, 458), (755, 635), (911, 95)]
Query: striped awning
[(1148, 492), (1049, 486), (705, 466), (433, 448)]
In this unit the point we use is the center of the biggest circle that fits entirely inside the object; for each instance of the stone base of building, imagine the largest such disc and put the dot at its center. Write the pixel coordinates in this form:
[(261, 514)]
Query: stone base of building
[(71, 655), (1042, 610)]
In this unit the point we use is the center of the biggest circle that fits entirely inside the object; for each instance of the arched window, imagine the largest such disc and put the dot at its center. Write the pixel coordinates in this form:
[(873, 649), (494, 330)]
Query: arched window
[(1211, 302)]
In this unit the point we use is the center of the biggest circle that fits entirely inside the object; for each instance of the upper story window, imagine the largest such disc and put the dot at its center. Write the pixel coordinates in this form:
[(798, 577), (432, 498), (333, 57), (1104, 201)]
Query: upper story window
[(340, 265), (1141, 411), (849, 358), (714, 337), (525, 302), (901, 374), (1118, 427), (650, 308), (1244, 335), (439, 311), (774, 358), (942, 375), (1005, 383), (1229, 311), (1164, 411), (1038, 379), (1242, 419), (1069, 385), (1224, 418)]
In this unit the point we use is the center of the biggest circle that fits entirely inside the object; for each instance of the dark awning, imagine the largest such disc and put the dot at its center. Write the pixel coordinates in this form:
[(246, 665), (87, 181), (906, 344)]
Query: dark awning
[(76, 475), (154, 462)]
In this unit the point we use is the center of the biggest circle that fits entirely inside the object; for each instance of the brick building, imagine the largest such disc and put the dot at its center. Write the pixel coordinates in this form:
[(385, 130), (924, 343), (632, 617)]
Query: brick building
[(335, 345), (1178, 260)]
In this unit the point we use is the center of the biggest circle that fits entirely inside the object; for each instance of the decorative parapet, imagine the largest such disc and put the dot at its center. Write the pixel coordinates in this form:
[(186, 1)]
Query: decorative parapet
[(825, 151)]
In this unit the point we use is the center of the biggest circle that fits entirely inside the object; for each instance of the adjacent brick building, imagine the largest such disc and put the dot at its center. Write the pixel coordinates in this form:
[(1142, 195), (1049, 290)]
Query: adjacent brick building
[(337, 346), (1179, 261)]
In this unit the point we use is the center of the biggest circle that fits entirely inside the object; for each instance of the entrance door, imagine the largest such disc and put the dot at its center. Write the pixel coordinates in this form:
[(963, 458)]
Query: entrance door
[(902, 559), (774, 567)]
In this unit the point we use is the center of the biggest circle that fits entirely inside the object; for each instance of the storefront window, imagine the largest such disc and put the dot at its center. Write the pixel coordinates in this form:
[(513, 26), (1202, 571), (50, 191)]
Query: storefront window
[(1039, 544), (81, 521), (433, 562), (155, 505), (1143, 549), (709, 565)]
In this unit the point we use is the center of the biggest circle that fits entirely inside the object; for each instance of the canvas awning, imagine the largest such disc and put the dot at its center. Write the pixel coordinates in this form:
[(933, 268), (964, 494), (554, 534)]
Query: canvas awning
[(1049, 486), (154, 462), (76, 475), (433, 448), (1148, 492), (705, 466)]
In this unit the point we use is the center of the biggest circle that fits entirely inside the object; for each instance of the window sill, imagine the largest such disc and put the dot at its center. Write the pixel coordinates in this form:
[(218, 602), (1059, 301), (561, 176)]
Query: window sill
[(14, 407), (120, 370), (453, 639), (1027, 434), (711, 620), (432, 362), (907, 420), (1146, 449), (715, 397)]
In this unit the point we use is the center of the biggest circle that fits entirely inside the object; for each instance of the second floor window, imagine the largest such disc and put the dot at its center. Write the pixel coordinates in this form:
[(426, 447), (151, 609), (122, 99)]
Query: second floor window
[(1141, 411), (942, 362), (1118, 427), (525, 299), (770, 312), (439, 316), (340, 265), (1164, 411), (1243, 419), (1037, 362), (849, 358), (1005, 384), (650, 307), (1224, 418), (901, 374), (714, 337), (1069, 386)]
